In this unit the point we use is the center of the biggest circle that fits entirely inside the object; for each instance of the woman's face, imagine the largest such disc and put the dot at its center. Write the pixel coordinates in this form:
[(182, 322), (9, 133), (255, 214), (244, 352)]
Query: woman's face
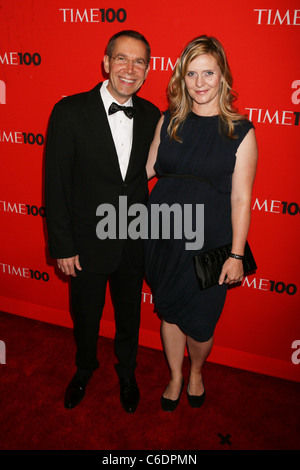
[(202, 80)]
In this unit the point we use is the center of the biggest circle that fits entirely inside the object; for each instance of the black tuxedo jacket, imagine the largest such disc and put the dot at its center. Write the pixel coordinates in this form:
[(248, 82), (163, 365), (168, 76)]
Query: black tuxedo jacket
[(82, 172)]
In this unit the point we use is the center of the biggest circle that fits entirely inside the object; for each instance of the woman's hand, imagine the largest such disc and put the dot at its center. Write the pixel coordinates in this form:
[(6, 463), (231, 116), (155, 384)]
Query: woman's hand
[(232, 271)]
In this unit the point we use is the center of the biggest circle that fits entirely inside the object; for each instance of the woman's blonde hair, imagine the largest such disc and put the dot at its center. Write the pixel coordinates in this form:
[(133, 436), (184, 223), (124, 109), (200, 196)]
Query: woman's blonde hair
[(180, 102)]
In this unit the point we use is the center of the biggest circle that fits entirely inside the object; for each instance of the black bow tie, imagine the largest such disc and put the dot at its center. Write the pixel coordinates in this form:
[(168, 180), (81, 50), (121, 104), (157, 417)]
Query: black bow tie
[(128, 110)]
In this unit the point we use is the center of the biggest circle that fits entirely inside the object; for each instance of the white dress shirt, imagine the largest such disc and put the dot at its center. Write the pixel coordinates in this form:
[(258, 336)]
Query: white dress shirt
[(121, 128)]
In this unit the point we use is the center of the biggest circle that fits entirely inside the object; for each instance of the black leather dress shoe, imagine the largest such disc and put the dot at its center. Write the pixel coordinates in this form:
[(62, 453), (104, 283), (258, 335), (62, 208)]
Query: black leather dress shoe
[(76, 390), (129, 394), (171, 405)]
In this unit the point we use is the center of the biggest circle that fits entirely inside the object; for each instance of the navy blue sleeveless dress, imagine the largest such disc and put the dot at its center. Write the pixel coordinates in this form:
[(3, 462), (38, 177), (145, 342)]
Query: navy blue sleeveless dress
[(170, 271)]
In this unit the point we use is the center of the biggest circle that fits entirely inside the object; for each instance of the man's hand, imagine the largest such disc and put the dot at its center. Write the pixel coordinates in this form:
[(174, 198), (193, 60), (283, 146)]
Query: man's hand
[(67, 265)]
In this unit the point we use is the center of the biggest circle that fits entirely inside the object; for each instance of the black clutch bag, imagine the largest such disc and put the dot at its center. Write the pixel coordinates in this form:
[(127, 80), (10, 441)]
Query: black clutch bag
[(209, 265)]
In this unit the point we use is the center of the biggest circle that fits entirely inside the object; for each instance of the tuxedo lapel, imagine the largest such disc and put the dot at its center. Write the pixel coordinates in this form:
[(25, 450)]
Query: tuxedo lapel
[(137, 134), (96, 115)]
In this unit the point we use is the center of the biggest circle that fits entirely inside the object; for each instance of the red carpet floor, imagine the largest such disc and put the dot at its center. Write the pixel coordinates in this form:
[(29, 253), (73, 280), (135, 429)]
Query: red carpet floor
[(243, 410)]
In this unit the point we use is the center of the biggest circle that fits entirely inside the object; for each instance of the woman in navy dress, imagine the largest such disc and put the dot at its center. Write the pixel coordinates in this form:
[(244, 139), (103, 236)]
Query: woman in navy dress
[(203, 153)]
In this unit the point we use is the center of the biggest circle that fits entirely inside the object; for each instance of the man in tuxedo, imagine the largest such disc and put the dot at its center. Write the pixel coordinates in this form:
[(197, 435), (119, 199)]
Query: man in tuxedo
[(96, 152)]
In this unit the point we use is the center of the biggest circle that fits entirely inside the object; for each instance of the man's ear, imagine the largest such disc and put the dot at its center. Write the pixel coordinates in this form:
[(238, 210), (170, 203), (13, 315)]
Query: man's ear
[(106, 63), (146, 72)]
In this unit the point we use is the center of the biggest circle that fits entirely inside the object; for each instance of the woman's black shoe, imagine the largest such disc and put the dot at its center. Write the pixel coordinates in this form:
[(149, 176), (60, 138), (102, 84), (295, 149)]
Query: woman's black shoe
[(196, 401), (171, 405)]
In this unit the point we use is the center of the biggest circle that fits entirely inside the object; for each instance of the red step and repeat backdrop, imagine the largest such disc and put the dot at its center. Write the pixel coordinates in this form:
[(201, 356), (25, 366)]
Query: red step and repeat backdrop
[(53, 48)]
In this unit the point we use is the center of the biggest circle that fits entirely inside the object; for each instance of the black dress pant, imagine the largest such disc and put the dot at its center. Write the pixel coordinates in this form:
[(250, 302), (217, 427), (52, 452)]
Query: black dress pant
[(88, 298)]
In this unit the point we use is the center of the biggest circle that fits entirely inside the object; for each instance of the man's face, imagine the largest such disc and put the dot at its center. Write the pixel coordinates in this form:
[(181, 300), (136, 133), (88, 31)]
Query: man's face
[(127, 68)]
